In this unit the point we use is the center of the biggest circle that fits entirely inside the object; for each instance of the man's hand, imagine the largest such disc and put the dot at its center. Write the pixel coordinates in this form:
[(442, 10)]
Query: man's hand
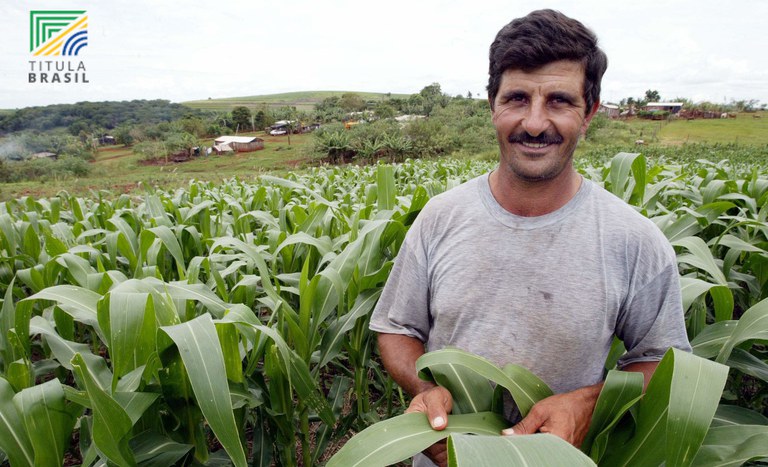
[(436, 403), (565, 415)]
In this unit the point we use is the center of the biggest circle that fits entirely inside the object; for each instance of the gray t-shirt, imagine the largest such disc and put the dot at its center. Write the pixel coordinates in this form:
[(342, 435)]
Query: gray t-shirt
[(546, 292)]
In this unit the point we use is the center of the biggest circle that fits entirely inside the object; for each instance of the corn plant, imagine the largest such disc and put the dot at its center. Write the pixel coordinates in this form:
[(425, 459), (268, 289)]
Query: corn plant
[(671, 424), (227, 322)]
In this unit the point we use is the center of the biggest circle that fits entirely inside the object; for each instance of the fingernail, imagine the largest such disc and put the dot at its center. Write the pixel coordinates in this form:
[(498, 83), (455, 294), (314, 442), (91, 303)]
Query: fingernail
[(438, 421), (507, 432)]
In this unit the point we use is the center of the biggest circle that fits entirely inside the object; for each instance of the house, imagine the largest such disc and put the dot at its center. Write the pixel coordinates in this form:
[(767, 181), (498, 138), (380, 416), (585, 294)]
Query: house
[(671, 107), (282, 127), (240, 143), (609, 110), (222, 148)]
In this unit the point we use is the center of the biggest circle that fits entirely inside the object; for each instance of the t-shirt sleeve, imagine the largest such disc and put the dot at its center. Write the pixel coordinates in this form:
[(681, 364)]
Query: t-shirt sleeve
[(652, 320), (403, 307)]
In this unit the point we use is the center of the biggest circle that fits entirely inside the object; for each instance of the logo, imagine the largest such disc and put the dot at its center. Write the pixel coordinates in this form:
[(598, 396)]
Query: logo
[(57, 32)]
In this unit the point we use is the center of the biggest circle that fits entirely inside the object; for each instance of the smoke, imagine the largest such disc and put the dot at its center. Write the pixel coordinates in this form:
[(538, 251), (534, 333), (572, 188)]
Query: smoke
[(11, 149)]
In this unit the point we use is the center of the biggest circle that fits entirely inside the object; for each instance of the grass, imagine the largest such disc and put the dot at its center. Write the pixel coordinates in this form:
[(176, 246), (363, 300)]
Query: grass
[(745, 129), (305, 100), (119, 170)]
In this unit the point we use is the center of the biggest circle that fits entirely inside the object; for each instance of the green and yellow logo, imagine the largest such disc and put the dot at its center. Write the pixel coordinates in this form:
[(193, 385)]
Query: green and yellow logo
[(57, 32)]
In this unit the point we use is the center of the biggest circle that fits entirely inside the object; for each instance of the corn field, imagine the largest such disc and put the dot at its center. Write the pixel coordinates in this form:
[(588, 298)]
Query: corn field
[(227, 324)]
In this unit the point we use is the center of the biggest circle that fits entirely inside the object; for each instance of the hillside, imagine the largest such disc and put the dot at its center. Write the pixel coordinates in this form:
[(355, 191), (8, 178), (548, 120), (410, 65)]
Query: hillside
[(302, 100)]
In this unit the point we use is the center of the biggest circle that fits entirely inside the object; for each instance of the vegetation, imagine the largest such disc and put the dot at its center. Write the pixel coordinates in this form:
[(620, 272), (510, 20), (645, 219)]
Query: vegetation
[(303, 100), (92, 115), (228, 321)]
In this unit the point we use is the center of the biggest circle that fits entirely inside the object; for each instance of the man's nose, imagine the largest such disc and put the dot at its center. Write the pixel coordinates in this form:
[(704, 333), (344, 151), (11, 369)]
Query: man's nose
[(536, 120)]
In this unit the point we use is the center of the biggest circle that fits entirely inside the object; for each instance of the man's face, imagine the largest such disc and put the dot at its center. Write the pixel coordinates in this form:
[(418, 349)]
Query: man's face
[(539, 116)]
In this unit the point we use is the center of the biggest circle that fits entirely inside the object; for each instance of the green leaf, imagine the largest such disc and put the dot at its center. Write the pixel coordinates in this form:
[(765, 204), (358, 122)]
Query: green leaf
[(676, 412), (708, 342), (79, 302), (334, 335), (48, 420), (385, 187), (528, 450), (722, 297), (735, 415), (733, 445), (64, 351), (753, 324), (111, 424), (399, 438), (154, 450), (620, 390), (700, 257), (525, 387), (129, 318), (14, 441), (298, 374), (198, 344)]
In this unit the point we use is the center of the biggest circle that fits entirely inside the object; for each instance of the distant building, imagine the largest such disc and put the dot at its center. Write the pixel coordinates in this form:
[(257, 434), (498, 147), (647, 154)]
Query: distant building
[(609, 110), (239, 143), (671, 107)]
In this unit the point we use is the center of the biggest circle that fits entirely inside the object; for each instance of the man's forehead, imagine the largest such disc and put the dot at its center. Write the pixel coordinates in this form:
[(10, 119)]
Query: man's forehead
[(563, 73)]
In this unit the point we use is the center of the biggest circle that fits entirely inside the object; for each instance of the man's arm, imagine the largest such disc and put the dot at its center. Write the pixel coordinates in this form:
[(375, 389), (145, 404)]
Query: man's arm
[(399, 354), (568, 415)]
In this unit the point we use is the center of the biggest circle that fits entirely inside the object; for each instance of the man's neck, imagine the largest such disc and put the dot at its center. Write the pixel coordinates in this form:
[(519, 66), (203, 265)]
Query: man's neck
[(534, 198)]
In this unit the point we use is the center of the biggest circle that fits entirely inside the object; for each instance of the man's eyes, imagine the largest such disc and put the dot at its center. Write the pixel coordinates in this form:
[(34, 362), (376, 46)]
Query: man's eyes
[(560, 101), (521, 99)]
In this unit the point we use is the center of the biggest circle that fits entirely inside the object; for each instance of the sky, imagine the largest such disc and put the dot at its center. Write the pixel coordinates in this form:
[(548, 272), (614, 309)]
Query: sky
[(184, 50)]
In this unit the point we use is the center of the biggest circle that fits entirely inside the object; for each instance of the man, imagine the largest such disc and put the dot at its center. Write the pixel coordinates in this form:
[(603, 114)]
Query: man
[(532, 264)]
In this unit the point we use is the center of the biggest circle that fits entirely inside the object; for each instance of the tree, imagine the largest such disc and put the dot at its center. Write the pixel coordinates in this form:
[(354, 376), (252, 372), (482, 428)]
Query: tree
[(652, 96), (384, 110), (241, 117), (352, 102), (433, 98)]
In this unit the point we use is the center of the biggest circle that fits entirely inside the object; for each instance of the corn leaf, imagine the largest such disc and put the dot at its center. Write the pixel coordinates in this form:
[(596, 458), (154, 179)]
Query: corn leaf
[(753, 324), (399, 438), (528, 450), (79, 302), (64, 351), (111, 424), (735, 415), (154, 450), (198, 344), (334, 335), (48, 420), (385, 187), (525, 387), (676, 412), (621, 390), (700, 257), (129, 319), (733, 445), (14, 441)]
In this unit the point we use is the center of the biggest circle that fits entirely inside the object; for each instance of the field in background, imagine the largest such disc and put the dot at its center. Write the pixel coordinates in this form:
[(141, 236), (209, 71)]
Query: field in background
[(304, 101), (117, 169), (745, 129)]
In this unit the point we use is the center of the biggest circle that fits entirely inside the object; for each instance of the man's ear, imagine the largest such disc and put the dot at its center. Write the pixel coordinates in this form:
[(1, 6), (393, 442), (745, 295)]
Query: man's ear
[(588, 117)]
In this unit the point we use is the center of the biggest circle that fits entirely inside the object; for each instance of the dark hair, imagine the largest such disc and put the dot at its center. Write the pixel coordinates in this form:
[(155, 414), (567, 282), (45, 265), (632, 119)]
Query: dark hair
[(543, 37)]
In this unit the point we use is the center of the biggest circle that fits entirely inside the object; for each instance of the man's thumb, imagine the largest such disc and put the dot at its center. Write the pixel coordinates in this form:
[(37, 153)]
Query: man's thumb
[(525, 427)]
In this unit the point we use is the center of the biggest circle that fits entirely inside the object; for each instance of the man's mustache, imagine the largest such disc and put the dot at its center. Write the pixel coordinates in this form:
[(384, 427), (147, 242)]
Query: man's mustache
[(544, 138)]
